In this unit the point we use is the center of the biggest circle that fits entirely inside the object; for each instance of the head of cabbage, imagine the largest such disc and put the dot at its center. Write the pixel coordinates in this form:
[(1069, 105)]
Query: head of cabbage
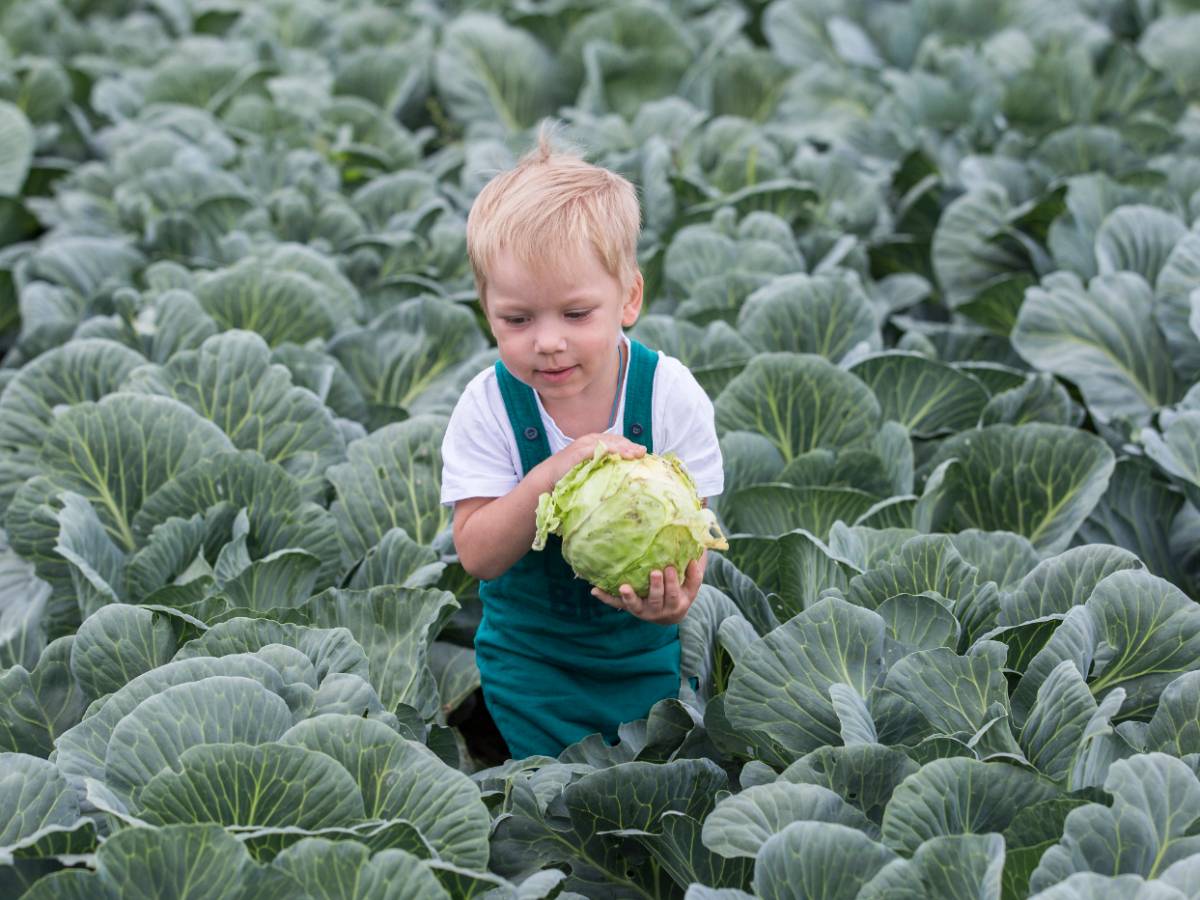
[(620, 519)]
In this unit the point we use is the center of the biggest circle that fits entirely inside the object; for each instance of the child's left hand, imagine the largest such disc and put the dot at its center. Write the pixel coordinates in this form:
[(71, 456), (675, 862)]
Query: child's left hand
[(668, 601)]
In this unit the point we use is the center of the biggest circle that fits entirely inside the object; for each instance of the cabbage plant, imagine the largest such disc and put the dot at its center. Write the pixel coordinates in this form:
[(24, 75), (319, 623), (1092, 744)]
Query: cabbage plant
[(935, 262)]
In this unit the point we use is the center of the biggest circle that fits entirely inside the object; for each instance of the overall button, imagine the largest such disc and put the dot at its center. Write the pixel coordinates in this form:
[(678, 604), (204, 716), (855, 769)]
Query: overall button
[(531, 433), (635, 429)]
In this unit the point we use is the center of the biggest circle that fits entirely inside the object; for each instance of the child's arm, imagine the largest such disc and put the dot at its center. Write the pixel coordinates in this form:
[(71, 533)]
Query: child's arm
[(492, 533)]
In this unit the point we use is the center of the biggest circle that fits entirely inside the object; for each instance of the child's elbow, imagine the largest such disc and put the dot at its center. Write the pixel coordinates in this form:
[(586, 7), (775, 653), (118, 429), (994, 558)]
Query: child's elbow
[(476, 568), (466, 558), (474, 563)]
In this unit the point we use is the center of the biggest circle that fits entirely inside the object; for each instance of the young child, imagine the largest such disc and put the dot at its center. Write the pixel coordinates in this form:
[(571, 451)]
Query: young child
[(553, 246)]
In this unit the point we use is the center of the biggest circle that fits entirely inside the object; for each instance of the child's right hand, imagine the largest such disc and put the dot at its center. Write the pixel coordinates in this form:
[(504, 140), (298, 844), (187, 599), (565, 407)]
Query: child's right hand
[(578, 450)]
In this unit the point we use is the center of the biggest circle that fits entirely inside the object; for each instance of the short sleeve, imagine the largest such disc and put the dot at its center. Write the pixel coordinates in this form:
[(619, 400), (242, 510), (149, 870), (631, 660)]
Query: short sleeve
[(685, 425), (476, 457)]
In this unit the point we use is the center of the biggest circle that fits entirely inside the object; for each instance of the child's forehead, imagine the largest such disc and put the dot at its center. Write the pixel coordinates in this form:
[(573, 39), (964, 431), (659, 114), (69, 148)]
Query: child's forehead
[(561, 271)]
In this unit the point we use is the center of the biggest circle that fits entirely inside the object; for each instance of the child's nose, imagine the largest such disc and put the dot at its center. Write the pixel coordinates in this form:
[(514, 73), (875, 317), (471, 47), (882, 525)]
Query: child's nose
[(549, 340)]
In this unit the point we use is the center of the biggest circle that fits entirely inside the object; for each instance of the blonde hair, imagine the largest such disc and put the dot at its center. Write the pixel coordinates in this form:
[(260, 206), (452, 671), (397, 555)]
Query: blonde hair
[(548, 208)]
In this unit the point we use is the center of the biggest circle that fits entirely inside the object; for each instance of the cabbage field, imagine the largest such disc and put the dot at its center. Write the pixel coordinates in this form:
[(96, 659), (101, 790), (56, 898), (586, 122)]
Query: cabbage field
[(938, 265)]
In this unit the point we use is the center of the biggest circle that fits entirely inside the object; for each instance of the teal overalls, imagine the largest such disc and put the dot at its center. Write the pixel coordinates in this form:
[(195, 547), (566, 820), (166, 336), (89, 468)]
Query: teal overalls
[(556, 663)]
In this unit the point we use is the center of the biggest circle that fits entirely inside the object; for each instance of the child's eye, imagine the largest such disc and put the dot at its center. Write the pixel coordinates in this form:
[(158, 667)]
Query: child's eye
[(579, 314), (514, 320)]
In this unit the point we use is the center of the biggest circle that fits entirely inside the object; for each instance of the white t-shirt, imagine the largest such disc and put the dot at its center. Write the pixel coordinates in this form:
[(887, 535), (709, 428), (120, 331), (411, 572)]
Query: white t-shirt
[(480, 456)]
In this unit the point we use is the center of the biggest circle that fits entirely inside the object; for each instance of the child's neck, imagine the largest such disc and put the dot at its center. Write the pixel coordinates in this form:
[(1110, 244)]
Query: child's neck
[(590, 413)]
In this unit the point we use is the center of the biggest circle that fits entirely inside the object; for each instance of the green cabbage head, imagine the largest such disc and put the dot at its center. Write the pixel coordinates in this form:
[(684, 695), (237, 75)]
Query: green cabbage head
[(620, 519)]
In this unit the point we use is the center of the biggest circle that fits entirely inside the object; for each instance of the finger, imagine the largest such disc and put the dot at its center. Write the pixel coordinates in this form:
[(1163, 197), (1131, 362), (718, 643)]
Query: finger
[(656, 596), (605, 597), (632, 602), (693, 576), (675, 595)]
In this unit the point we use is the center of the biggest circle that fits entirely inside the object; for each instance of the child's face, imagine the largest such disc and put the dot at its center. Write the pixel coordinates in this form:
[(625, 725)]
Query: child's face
[(558, 333)]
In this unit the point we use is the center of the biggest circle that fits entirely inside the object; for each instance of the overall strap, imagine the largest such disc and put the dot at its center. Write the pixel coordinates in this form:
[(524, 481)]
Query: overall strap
[(639, 391), (521, 406)]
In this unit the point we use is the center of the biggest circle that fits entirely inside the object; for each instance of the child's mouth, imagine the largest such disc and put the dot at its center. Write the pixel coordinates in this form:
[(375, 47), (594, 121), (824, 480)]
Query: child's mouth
[(556, 375)]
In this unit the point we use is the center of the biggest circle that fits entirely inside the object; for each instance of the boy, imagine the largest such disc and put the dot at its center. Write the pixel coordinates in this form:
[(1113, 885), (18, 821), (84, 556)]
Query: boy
[(553, 247)]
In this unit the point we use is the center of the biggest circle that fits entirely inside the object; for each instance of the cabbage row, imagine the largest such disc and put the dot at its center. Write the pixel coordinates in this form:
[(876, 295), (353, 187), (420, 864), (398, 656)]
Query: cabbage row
[(937, 263)]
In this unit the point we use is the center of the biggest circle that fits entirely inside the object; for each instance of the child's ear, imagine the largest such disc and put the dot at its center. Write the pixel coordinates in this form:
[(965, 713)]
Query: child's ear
[(633, 301)]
